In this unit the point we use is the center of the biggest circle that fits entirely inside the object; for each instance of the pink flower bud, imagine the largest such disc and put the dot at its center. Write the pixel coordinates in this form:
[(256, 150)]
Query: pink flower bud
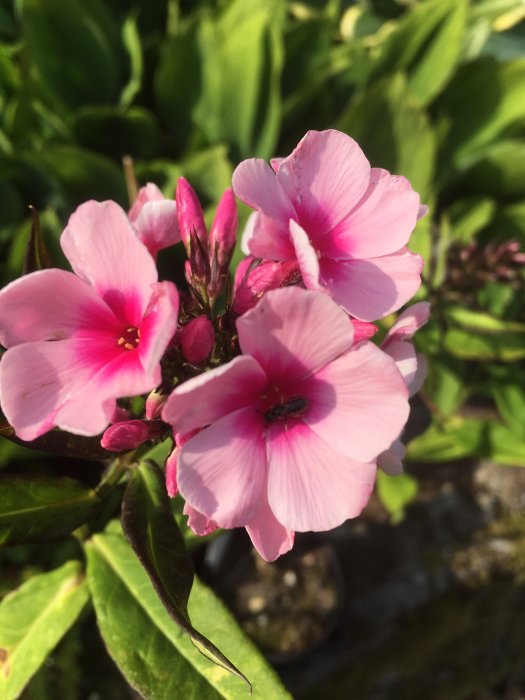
[(171, 473), (252, 283), (119, 414), (189, 212), (127, 435), (363, 330), (223, 232), (197, 340), (154, 404)]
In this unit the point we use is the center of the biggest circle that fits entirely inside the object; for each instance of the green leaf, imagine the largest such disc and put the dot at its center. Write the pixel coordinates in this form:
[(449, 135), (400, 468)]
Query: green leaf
[(37, 256), (458, 438), (469, 216), (133, 46), (484, 99), (500, 171), (508, 390), (83, 175), (33, 619), (242, 58), (510, 220), (426, 45), (396, 492), (149, 525), (479, 336), (38, 508), (446, 384), (393, 131), (75, 49), (117, 133), (156, 656)]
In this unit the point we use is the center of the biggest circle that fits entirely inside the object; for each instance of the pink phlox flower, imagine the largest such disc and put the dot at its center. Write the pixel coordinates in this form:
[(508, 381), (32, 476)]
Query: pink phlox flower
[(413, 368), (289, 430), (77, 341), (155, 219), (253, 278), (345, 223)]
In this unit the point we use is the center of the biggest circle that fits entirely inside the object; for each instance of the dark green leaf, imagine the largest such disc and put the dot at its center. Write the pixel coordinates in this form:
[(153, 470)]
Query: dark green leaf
[(33, 619), (37, 256), (426, 45), (475, 335), (393, 131), (38, 508), (396, 492), (500, 171), (154, 654), (152, 532), (459, 438), (469, 216), (75, 49)]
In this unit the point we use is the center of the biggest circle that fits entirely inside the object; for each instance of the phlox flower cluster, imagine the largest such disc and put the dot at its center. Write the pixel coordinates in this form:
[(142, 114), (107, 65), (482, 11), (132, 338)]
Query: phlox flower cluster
[(279, 403)]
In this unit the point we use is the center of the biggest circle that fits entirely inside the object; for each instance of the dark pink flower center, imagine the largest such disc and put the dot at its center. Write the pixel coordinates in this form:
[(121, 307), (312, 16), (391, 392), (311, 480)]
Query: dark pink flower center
[(130, 338)]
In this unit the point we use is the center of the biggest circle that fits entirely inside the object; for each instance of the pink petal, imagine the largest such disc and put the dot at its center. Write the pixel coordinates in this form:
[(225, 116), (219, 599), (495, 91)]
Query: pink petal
[(171, 473), (380, 224), (247, 234), (38, 379), (420, 376), (293, 332), (324, 177), (50, 305), (306, 257), (222, 470), (372, 289), (404, 355), (363, 330), (268, 536), (269, 238), (148, 193), (214, 394), (358, 403), (158, 326), (311, 487), (255, 183), (391, 460), (410, 321), (199, 523), (103, 249), (157, 225)]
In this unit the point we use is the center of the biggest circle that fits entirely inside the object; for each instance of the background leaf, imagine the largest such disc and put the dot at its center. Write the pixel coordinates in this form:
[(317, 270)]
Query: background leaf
[(33, 619)]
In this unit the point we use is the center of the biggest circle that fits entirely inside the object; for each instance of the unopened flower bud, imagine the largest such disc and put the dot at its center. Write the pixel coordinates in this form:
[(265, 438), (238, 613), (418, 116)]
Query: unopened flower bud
[(197, 340), (223, 232), (119, 414), (154, 404), (363, 330), (251, 283), (127, 435), (199, 262), (171, 473), (189, 212)]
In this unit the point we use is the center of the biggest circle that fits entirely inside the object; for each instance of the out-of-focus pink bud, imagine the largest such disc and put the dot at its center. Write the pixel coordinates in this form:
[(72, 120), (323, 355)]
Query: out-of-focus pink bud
[(252, 283), (223, 232), (119, 414), (363, 330), (197, 340), (154, 404), (190, 214), (127, 435), (155, 219), (171, 473)]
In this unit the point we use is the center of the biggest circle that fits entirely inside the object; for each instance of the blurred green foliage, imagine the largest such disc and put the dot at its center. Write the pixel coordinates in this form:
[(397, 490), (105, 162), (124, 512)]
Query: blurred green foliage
[(432, 89)]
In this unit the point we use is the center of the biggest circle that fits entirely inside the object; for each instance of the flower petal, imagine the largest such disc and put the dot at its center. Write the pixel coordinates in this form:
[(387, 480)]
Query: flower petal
[(214, 394), (311, 487), (409, 322), (50, 305), (391, 460), (268, 536), (38, 379), (293, 332), (222, 470), (103, 249), (404, 355), (380, 224), (358, 403), (255, 183), (158, 325), (324, 177), (158, 225), (269, 238), (306, 257), (372, 289)]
